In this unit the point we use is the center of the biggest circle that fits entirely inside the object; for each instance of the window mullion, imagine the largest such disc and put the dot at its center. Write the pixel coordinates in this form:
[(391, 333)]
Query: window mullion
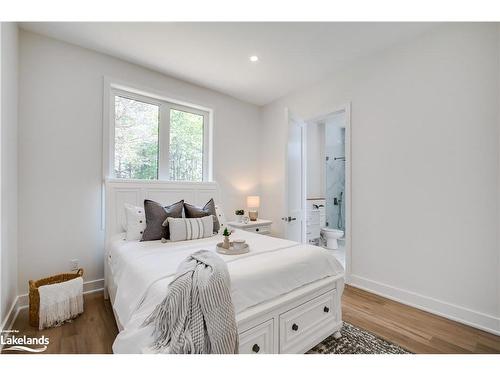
[(206, 149), (164, 143)]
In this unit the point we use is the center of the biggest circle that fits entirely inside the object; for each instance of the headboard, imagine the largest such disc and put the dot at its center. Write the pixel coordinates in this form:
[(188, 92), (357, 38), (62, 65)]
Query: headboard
[(118, 192)]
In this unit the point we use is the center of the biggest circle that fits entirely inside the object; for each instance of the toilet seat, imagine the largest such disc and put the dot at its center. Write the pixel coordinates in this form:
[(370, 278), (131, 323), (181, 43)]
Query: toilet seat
[(333, 231), (331, 235)]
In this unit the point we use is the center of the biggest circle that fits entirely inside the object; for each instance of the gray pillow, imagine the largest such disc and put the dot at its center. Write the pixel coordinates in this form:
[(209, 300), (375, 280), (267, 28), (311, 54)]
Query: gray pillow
[(209, 209), (155, 216)]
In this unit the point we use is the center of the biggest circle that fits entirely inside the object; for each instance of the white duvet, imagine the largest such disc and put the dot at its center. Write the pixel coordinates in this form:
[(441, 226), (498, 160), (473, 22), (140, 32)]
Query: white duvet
[(142, 271)]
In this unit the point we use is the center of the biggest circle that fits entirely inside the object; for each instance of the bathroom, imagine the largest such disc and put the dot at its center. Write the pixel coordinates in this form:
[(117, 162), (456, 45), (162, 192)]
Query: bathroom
[(326, 183)]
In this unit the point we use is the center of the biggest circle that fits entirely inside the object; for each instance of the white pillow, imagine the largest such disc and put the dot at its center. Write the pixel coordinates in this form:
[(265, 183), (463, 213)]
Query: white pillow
[(135, 222), (182, 229), (221, 217)]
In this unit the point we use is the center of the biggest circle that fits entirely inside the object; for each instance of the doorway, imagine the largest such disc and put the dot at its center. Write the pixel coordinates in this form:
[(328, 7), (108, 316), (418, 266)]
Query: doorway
[(318, 188)]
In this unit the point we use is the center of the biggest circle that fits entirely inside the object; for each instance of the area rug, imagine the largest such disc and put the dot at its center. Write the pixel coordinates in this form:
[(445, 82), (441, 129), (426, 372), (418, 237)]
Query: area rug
[(355, 340)]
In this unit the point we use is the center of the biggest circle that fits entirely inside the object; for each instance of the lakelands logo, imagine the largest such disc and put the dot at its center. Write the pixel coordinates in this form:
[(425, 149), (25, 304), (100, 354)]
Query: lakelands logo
[(24, 343)]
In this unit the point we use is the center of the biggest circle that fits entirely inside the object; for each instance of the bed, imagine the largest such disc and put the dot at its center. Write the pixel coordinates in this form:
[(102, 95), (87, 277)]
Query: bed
[(286, 295)]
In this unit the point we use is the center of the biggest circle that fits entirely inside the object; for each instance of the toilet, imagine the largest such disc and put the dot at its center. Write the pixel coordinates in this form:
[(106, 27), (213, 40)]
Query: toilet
[(330, 237)]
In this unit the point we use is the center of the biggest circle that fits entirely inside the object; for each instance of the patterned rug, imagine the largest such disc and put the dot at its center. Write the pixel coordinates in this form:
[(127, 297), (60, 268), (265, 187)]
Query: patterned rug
[(354, 340)]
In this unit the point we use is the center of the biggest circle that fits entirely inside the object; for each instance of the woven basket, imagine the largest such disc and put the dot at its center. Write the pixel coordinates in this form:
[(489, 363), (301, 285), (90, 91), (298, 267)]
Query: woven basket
[(35, 295)]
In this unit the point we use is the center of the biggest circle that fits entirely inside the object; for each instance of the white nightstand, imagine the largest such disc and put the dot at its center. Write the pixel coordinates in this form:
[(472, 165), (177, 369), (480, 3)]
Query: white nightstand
[(260, 226)]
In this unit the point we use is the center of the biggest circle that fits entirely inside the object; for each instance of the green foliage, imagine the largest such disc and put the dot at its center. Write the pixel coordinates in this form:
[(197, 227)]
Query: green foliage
[(186, 146), (137, 138), (226, 232), (239, 212)]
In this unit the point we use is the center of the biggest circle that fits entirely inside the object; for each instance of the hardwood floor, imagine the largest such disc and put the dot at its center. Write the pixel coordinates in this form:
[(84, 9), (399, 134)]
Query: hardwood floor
[(91, 333), (415, 330)]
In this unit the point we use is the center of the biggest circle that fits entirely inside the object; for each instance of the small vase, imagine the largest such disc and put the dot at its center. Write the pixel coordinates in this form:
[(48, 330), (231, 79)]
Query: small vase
[(226, 244), (239, 218)]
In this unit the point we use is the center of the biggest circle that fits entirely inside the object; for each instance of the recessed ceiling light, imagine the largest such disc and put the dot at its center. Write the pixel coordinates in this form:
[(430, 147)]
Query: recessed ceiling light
[(254, 58)]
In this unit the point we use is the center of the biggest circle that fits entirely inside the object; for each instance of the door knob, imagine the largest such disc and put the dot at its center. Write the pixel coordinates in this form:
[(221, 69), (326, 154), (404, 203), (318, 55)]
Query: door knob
[(295, 327), (255, 348), (326, 309)]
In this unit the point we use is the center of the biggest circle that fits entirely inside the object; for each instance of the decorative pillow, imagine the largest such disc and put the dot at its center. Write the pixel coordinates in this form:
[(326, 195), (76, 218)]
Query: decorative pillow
[(221, 218), (209, 209), (190, 229), (135, 222), (155, 216)]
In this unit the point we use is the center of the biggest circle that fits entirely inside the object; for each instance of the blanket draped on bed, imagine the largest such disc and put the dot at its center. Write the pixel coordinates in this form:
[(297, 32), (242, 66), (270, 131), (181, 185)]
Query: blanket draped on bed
[(197, 315)]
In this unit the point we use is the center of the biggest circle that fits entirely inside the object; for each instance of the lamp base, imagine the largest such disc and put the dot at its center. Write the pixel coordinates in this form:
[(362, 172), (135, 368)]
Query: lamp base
[(253, 215)]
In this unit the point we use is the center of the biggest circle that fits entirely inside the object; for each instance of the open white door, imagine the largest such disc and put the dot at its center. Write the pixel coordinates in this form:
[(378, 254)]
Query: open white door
[(295, 183)]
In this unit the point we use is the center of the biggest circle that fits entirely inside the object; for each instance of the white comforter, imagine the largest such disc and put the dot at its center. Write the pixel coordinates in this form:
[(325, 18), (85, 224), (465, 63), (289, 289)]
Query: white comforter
[(142, 271)]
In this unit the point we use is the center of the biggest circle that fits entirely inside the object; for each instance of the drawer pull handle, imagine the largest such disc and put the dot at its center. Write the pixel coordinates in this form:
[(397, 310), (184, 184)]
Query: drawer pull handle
[(326, 309), (295, 327), (256, 229), (255, 348)]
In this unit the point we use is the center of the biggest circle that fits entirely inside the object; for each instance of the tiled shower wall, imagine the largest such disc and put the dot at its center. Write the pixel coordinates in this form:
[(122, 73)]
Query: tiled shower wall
[(335, 171)]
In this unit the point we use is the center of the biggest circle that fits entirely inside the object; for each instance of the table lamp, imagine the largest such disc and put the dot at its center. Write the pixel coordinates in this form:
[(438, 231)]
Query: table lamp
[(253, 202)]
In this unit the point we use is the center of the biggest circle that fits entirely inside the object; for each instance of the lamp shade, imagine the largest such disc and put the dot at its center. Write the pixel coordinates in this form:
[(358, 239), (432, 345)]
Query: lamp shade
[(253, 201)]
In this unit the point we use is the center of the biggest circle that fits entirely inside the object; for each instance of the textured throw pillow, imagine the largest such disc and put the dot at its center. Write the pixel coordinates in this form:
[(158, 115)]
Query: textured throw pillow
[(135, 222), (156, 214), (209, 209), (190, 229)]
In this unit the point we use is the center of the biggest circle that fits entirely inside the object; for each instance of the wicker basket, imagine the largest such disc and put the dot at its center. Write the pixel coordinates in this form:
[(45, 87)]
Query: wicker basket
[(35, 296)]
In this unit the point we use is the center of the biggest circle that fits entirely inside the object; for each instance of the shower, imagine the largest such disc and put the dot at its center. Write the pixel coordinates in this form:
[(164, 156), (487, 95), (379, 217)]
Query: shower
[(335, 175)]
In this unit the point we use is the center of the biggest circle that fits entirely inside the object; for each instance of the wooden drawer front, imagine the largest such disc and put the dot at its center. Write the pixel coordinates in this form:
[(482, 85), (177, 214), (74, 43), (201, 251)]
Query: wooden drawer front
[(266, 229), (301, 324), (259, 339)]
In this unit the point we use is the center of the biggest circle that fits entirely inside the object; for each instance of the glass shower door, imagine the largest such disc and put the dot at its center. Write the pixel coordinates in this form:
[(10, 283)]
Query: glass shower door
[(335, 173)]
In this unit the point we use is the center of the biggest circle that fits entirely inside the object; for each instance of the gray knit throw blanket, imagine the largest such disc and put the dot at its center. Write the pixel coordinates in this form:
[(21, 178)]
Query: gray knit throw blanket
[(197, 315)]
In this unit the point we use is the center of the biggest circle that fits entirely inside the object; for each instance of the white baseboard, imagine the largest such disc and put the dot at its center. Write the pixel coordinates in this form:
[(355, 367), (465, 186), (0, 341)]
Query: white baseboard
[(447, 310), (22, 302), (10, 317)]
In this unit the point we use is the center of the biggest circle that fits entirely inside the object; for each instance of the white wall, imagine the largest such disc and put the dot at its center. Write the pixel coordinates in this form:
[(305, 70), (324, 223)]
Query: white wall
[(425, 168), (315, 135), (8, 243), (60, 150)]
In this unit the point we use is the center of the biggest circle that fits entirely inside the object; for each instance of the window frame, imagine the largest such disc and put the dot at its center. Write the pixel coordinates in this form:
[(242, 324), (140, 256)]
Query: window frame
[(112, 88)]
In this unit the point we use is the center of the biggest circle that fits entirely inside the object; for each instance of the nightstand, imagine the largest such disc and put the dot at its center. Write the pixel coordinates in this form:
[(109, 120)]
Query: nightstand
[(260, 226)]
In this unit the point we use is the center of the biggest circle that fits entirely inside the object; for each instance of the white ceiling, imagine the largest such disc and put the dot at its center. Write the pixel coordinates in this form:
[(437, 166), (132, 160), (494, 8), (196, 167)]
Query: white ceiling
[(215, 55)]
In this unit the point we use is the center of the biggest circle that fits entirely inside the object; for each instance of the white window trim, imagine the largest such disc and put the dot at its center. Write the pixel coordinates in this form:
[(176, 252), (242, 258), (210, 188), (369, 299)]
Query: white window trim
[(114, 87)]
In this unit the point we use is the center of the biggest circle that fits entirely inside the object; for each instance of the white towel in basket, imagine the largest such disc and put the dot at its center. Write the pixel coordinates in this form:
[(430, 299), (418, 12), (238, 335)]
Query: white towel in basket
[(60, 302)]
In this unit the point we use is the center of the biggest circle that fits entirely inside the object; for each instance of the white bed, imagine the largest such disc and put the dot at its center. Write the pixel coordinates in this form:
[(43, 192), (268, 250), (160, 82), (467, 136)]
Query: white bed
[(286, 295)]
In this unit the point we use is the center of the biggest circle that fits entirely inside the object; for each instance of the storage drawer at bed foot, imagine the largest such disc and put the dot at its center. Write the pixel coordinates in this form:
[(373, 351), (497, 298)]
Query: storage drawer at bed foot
[(302, 325), (259, 339)]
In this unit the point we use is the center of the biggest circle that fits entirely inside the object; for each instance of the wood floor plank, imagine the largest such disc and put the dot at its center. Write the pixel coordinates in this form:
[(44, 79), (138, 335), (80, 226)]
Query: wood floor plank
[(416, 330), (91, 333)]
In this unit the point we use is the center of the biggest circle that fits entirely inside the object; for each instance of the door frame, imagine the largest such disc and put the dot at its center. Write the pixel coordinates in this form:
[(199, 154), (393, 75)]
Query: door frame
[(346, 108), (288, 115)]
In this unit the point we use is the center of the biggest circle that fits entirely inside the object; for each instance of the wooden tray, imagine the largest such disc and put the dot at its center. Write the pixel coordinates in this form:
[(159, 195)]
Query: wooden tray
[(232, 251)]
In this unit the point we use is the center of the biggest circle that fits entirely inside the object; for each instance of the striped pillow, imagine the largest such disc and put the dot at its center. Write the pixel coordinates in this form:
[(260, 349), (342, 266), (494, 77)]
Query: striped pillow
[(190, 229)]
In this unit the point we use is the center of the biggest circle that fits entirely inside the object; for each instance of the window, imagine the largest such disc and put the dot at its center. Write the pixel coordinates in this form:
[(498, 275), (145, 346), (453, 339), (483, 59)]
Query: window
[(136, 139), (156, 139), (186, 146)]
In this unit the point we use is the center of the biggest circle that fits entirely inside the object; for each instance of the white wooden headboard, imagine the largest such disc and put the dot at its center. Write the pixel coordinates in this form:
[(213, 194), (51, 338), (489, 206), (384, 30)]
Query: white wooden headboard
[(119, 192)]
